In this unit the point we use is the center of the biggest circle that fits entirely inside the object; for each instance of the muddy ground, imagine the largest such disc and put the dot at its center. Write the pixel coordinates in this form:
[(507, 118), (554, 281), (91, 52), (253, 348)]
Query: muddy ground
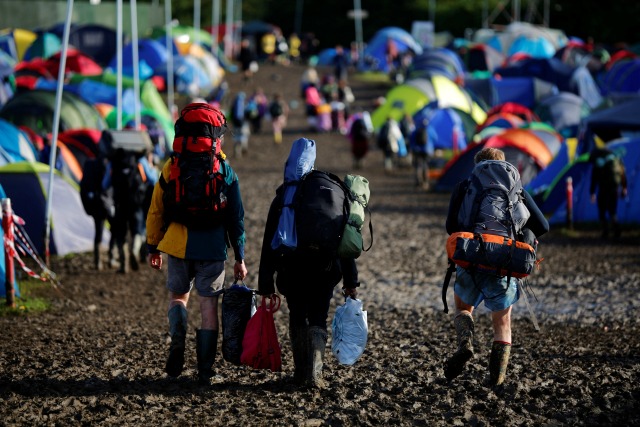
[(97, 357)]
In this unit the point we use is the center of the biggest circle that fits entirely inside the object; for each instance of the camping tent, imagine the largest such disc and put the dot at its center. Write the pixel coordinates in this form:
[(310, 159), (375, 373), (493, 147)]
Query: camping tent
[(413, 95), (563, 111), (580, 171), (522, 149), (35, 108), (611, 123), (15, 145), (522, 90), (437, 61), (26, 184), (374, 55)]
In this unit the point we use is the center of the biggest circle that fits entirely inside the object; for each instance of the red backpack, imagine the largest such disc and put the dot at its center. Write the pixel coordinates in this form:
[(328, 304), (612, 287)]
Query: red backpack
[(194, 193)]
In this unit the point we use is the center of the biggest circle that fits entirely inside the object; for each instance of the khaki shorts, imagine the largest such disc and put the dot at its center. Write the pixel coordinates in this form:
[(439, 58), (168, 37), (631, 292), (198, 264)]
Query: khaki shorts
[(206, 276)]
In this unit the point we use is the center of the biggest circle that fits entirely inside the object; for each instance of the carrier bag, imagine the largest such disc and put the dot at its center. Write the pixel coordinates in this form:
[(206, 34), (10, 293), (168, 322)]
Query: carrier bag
[(237, 306), (349, 331), (260, 345)]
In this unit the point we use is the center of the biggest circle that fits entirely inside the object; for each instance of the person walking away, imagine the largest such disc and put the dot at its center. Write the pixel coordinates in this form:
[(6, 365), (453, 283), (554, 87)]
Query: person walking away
[(193, 231), (499, 293), (608, 183), (340, 64), (248, 60), (307, 280), (418, 142), (98, 203), (241, 127), (278, 110), (388, 139), (359, 134)]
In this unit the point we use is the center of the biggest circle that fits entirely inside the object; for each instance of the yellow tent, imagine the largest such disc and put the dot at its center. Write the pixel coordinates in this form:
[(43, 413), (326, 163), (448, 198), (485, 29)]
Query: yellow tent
[(22, 39), (412, 96)]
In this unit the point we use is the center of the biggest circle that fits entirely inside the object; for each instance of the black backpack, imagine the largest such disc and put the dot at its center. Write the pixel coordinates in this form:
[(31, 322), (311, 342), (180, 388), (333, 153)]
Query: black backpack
[(321, 208), (129, 184), (359, 130), (95, 200), (275, 109)]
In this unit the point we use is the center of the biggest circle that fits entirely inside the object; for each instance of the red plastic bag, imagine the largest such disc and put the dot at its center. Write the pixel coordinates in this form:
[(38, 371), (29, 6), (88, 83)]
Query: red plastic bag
[(260, 346)]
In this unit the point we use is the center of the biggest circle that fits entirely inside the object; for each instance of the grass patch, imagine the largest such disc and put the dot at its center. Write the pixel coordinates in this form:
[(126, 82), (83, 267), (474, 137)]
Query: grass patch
[(30, 301)]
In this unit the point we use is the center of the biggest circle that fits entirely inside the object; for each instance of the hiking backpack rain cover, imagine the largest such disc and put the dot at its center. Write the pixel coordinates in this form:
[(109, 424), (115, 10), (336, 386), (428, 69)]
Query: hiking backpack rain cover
[(492, 215), (194, 194)]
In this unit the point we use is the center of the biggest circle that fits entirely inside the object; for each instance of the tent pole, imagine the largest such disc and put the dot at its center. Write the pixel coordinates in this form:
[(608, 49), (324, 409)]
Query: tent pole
[(119, 64), (215, 24), (228, 36), (135, 63), (56, 125), (169, 41)]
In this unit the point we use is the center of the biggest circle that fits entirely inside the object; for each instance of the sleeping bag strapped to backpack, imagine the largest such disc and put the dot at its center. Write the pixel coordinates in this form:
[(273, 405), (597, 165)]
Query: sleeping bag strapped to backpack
[(492, 216), (194, 194)]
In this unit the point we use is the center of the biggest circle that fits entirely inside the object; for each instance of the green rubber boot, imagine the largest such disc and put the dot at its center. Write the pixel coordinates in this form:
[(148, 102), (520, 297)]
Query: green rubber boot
[(317, 344), (498, 362), (206, 347), (178, 331), (464, 330)]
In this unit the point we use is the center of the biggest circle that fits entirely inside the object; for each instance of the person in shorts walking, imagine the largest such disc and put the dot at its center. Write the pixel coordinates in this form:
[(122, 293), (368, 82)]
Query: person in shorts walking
[(472, 287), (196, 259)]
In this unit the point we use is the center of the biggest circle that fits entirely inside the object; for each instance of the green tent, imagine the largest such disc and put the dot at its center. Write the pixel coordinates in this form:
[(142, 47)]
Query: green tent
[(35, 110)]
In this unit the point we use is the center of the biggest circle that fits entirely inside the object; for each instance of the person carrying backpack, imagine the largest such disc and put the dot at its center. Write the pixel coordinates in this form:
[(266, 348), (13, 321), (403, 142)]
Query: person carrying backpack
[(306, 277), (196, 208), (278, 110), (608, 183), (489, 213)]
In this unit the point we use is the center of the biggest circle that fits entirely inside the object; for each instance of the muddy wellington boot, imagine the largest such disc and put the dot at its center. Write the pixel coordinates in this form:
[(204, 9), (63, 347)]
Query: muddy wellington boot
[(498, 362), (178, 331), (206, 346), (317, 343), (300, 349), (97, 262), (464, 329)]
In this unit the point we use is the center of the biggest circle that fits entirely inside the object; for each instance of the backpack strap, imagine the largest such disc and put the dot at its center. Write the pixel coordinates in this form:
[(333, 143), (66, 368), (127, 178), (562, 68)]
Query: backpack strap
[(445, 285), (370, 230)]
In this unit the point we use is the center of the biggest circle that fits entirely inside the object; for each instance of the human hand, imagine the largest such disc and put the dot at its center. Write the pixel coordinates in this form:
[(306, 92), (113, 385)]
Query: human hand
[(350, 292), (593, 198), (239, 270), (624, 193), (155, 260)]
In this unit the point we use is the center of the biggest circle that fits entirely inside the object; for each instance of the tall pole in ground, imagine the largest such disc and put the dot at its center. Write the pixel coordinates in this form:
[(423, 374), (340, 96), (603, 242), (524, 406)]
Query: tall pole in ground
[(136, 67), (196, 21), (228, 31), (119, 64), (169, 43), (56, 125), (215, 24), (357, 19)]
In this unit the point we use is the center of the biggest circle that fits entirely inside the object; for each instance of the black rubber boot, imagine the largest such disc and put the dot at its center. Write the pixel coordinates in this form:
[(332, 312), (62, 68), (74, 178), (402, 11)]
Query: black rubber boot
[(206, 347), (178, 331), (464, 330), (317, 343), (300, 349), (97, 262), (498, 362)]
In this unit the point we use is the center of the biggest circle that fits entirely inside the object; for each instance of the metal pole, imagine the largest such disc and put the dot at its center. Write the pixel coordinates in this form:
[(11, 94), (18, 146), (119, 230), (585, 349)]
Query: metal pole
[(10, 273), (196, 20), (228, 33), (56, 125), (237, 34), (298, 21), (357, 9), (119, 64), (432, 13), (169, 43), (546, 14), (135, 61), (215, 24)]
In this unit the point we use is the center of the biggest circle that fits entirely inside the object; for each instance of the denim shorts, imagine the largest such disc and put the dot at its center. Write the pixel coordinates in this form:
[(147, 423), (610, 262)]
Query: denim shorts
[(473, 288), (206, 276)]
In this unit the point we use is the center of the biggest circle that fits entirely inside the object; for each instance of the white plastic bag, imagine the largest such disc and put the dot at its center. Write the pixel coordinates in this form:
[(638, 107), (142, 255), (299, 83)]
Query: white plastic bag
[(350, 330)]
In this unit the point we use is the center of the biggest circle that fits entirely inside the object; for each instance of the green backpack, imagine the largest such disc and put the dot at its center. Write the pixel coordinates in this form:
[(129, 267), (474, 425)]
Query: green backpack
[(351, 245)]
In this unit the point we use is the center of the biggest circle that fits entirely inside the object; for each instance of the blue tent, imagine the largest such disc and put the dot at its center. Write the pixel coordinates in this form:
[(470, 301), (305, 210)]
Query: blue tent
[(621, 120), (623, 77), (563, 111), (26, 184), (437, 61), (15, 146), (536, 47), (445, 129), (525, 91), (580, 171), (94, 40), (374, 53), (151, 54)]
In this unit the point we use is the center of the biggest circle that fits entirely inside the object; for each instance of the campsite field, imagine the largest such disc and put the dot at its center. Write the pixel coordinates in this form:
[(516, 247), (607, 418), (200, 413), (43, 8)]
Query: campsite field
[(97, 357)]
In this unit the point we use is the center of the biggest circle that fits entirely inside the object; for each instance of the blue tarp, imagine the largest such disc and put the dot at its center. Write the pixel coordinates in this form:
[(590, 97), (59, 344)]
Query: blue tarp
[(375, 52), (300, 162)]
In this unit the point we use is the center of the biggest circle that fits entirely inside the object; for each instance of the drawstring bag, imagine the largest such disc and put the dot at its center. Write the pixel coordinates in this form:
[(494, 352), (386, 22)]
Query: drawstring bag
[(349, 330), (238, 304), (260, 346)]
